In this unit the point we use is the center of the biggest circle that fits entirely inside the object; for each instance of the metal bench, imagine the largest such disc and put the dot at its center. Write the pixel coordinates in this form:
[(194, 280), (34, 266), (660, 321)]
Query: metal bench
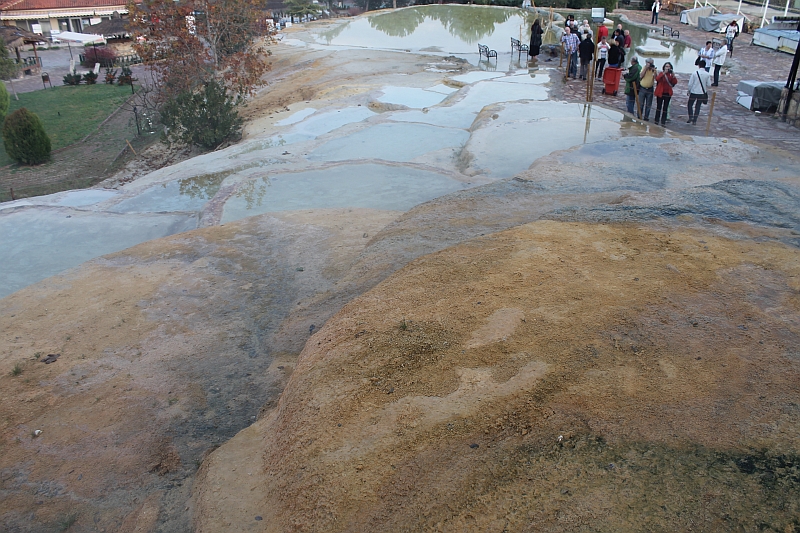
[(669, 32), (483, 50), (519, 47)]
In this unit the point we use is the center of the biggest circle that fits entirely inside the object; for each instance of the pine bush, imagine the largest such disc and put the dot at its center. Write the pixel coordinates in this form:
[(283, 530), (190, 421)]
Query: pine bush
[(207, 117), (25, 138)]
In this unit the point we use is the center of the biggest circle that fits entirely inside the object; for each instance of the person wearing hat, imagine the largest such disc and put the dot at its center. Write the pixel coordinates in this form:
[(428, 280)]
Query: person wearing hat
[(647, 83), (631, 81)]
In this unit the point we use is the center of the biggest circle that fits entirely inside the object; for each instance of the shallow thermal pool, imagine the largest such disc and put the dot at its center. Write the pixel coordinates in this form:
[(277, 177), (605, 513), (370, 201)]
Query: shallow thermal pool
[(457, 29), (443, 138), (393, 188)]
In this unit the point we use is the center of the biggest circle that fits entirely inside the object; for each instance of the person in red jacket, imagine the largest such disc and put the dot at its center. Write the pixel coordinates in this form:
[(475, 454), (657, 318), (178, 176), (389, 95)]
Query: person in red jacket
[(602, 31), (665, 81)]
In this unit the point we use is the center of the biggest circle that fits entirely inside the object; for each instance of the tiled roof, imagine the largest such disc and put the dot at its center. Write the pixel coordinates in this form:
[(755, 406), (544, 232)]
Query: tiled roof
[(20, 5)]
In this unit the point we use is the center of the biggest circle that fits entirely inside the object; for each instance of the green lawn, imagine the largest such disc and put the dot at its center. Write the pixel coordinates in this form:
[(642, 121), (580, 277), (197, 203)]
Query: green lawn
[(69, 113)]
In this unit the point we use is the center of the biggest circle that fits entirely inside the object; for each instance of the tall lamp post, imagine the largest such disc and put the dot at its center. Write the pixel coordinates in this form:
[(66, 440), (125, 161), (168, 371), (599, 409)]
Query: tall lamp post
[(598, 17)]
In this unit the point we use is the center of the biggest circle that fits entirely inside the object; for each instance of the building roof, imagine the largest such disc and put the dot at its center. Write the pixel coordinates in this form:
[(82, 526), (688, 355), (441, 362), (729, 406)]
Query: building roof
[(25, 5), (110, 28), (15, 37)]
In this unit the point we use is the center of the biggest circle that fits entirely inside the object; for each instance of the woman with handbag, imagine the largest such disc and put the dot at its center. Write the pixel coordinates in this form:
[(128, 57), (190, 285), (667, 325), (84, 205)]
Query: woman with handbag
[(705, 54), (665, 81), (698, 95)]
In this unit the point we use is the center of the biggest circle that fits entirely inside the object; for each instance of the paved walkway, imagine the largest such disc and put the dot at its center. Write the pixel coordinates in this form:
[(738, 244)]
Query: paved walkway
[(729, 118)]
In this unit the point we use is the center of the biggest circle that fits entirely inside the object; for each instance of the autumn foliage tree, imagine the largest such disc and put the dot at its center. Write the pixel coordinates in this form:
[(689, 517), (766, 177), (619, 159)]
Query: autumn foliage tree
[(188, 44)]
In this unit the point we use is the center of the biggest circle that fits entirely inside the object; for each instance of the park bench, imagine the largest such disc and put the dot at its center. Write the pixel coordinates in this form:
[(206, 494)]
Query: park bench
[(634, 4), (669, 32), (483, 50), (519, 47)]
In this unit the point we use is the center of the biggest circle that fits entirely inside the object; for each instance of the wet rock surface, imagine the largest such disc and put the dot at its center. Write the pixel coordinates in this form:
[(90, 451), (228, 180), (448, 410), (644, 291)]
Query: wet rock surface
[(603, 341)]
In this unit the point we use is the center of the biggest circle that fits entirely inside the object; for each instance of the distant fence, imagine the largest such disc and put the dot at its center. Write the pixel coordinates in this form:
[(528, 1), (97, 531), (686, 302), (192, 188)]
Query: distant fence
[(119, 61)]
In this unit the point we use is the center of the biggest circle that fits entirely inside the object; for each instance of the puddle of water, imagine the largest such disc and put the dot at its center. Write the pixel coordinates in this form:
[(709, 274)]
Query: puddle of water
[(451, 29), (477, 75), (391, 142), (85, 198), (411, 97), (537, 78), (441, 88), (493, 91), (370, 185), (39, 243), (80, 198), (294, 118), (332, 120), (680, 55), (190, 194), (462, 114), (523, 133)]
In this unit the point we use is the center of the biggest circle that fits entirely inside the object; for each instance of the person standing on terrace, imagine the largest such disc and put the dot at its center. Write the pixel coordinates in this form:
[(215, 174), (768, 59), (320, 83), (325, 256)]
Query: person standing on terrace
[(632, 84), (586, 52), (570, 42), (666, 80), (655, 9), (602, 56), (602, 31), (627, 43), (730, 34), (536, 39)]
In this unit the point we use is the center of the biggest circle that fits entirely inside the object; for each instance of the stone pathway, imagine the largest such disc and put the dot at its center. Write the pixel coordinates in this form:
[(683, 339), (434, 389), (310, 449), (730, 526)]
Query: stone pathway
[(729, 118)]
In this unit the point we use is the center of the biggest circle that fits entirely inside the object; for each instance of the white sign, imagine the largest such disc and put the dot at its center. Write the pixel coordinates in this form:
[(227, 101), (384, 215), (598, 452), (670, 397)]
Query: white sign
[(94, 21), (598, 15), (36, 28), (190, 24)]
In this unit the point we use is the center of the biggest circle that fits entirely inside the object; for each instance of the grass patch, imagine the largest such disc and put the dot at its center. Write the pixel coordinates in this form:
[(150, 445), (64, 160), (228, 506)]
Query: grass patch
[(69, 113), (67, 522), (17, 370)]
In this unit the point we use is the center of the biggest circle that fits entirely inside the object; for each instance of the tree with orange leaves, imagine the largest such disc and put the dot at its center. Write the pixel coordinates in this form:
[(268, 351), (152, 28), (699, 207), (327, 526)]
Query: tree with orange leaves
[(189, 45)]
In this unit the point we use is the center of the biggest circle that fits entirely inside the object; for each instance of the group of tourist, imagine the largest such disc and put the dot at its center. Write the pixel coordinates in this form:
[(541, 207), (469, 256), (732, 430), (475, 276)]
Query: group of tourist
[(642, 84)]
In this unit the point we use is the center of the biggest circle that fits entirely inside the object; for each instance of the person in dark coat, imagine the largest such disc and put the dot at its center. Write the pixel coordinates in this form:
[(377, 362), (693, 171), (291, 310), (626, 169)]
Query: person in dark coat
[(616, 56), (586, 53), (536, 39)]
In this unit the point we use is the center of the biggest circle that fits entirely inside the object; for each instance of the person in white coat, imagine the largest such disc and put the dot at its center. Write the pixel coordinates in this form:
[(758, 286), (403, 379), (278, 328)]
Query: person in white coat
[(719, 59), (698, 91), (655, 9)]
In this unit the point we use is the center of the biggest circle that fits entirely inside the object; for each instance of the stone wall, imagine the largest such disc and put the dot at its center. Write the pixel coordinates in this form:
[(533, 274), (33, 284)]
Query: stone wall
[(793, 115)]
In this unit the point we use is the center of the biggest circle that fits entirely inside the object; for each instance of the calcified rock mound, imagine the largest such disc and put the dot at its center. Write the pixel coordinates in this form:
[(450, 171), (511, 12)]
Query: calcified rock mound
[(552, 377), (167, 350)]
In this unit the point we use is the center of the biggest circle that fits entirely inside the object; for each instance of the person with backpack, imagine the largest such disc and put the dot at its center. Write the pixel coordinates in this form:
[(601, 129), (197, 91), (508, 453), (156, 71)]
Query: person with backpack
[(665, 81), (698, 92)]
